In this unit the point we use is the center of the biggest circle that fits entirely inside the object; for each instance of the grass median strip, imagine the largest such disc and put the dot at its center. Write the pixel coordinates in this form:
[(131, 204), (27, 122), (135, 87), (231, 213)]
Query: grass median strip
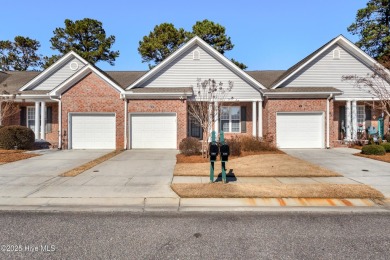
[(264, 165), (235, 190), (82, 168)]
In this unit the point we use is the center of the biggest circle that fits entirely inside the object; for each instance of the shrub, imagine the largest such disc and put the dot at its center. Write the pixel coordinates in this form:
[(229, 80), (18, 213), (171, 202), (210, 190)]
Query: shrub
[(387, 137), (234, 146), (16, 136), (386, 146), (255, 144), (190, 146), (373, 149)]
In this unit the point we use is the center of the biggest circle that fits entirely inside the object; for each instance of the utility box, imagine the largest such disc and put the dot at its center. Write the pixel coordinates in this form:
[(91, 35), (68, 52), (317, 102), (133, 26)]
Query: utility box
[(213, 151), (225, 152)]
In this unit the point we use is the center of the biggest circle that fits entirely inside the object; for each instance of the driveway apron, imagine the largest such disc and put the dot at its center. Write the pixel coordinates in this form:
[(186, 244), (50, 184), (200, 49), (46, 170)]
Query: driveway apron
[(341, 160)]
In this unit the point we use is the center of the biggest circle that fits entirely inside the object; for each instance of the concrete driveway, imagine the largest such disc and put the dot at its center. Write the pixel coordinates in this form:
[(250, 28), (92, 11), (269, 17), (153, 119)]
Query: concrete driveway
[(21, 178), (341, 160), (131, 174)]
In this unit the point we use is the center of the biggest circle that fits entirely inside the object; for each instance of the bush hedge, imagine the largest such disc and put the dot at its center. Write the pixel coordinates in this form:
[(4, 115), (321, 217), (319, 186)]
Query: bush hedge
[(386, 146), (255, 144), (190, 146), (16, 136), (373, 149), (235, 146)]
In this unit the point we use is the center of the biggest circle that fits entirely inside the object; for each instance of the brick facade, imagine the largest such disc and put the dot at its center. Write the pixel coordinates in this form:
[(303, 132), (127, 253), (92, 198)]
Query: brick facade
[(272, 106), (160, 106), (93, 94), (52, 136)]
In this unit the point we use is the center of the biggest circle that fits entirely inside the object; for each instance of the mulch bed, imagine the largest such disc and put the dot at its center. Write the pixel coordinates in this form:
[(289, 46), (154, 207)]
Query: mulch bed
[(7, 156), (383, 158), (245, 190)]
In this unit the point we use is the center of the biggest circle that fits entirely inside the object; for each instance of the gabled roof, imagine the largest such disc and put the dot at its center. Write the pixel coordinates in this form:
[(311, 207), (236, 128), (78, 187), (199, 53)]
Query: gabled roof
[(12, 81), (196, 41), (80, 74), (341, 40), (53, 68), (266, 77)]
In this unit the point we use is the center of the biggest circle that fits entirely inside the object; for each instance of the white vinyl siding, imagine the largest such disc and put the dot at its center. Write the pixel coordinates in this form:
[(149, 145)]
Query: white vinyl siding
[(153, 131), (57, 77), (325, 71), (230, 119), (92, 131), (300, 130), (184, 72)]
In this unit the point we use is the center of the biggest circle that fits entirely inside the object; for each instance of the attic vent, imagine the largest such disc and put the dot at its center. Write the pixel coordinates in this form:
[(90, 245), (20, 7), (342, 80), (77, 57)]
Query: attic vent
[(73, 65), (196, 55), (336, 54)]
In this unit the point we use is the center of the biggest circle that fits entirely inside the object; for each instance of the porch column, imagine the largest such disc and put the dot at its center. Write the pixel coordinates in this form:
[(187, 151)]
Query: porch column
[(43, 119), (216, 118), (354, 120), (36, 125), (260, 121), (348, 120), (254, 123)]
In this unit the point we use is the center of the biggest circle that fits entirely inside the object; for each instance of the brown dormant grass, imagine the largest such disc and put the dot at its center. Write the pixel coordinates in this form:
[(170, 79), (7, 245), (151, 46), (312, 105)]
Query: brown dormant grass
[(7, 156), (265, 165), (383, 158), (244, 190)]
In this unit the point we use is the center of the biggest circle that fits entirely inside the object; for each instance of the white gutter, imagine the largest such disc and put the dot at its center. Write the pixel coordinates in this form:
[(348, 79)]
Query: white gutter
[(160, 94), (300, 93), (125, 116), (59, 121), (328, 121)]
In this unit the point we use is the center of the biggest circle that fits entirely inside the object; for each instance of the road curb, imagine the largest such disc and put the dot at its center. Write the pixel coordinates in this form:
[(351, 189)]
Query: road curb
[(191, 204)]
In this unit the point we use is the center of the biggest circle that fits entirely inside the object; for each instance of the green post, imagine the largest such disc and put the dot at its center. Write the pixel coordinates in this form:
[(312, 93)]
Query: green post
[(212, 162), (381, 127), (222, 141)]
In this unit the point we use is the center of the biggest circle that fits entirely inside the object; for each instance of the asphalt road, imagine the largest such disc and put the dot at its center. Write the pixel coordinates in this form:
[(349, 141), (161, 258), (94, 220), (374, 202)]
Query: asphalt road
[(194, 235)]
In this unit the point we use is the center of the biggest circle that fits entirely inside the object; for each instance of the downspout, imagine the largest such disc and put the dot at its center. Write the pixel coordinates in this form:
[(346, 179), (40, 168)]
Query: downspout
[(1, 118), (328, 121), (125, 117), (59, 121)]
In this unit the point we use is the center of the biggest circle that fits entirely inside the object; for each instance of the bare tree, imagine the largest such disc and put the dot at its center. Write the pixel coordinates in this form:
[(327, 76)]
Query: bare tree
[(377, 84), (7, 106), (205, 105)]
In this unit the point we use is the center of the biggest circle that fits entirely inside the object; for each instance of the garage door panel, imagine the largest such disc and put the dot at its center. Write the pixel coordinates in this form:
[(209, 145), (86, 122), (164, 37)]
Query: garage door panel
[(153, 131), (93, 131), (300, 130)]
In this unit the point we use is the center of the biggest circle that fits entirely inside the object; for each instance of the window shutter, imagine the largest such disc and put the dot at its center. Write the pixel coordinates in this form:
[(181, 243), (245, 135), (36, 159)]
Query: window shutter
[(243, 119), (23, 116), (368, 112), (49, 119)]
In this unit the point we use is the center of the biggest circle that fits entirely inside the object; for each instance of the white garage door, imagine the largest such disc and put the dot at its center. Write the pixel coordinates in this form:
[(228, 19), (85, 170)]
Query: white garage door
[(300, 130), (92, 131), (158, 131)]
